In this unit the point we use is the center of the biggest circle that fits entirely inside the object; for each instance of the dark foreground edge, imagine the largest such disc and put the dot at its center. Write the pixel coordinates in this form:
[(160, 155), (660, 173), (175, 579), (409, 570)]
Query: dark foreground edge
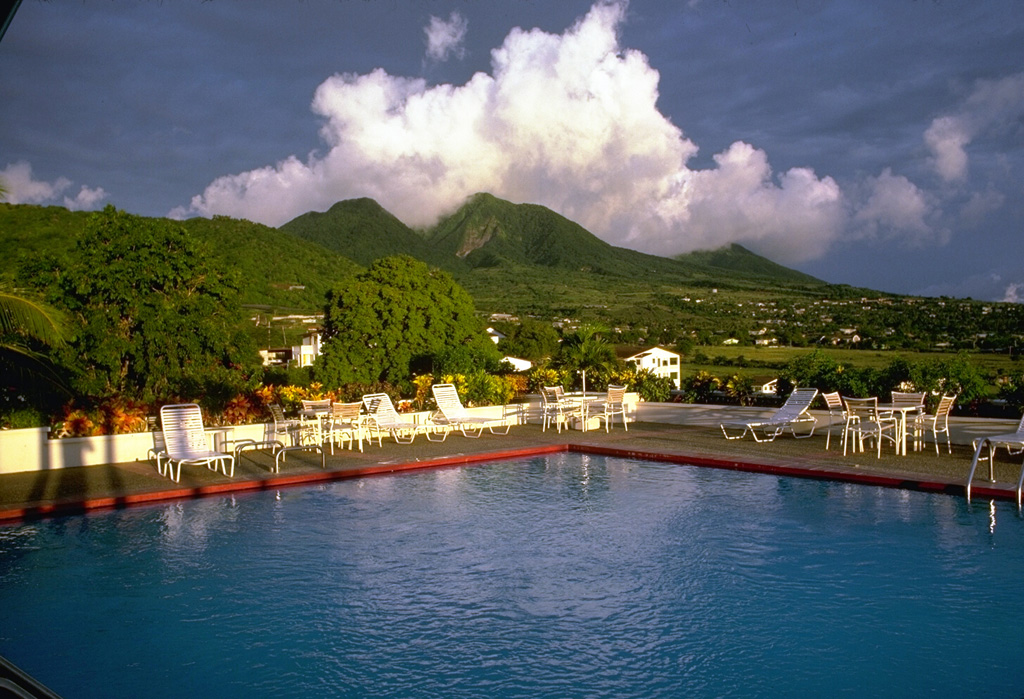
[(14, 682)]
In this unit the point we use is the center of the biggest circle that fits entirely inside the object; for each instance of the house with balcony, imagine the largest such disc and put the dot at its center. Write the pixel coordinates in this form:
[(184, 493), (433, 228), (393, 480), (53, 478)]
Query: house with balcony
[(660, 362)]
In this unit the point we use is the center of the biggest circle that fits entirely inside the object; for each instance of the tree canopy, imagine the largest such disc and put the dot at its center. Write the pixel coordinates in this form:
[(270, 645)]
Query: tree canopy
[(150, 317), (395, 319)]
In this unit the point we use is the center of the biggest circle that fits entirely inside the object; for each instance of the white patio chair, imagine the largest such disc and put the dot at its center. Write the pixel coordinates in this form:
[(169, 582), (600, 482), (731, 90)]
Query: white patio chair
[(836, 414), (865, 421), (612, 405), (792, 414), (345, 424), (558, 408), (382, 417), (453, 414), (937, 423), (185, 441)]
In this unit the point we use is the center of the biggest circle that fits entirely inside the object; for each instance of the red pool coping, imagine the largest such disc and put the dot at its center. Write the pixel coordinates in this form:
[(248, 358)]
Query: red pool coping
[(71, 507)]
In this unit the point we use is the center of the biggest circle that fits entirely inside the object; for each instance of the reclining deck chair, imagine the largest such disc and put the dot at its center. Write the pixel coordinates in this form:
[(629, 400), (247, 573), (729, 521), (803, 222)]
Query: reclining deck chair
[(185, 441), (1013, 442), (792, 413), (382, 417), (455, 416)]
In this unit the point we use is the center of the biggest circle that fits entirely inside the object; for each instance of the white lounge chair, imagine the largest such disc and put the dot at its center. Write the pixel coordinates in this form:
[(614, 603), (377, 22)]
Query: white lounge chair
[(788, 417), (1013, 442), (453, 414), (185, 441), (382, 417)]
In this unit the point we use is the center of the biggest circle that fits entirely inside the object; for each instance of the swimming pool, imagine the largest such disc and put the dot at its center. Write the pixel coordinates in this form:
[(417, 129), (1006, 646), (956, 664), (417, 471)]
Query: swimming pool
[(566, 575)]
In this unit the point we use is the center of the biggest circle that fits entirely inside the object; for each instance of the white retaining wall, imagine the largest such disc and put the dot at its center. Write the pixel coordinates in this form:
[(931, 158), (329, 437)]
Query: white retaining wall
[(33, 450)]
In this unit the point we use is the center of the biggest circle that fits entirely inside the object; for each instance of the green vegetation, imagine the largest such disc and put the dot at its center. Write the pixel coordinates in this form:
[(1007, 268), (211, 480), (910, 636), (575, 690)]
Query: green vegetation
[(529, 339), (399, 318), (363, 231), (29, 332), (159, 308), (151, 317)]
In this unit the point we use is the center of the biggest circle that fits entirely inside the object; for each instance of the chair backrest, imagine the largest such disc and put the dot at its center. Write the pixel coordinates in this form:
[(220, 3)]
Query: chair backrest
[(551, 394), (864, 408), (346, 412), (317, 406), (907, 399), (380, 408), (833, 400), (277, 413), (798, 402), (946, 404), (447, 398), (182, 427), (615, 395)]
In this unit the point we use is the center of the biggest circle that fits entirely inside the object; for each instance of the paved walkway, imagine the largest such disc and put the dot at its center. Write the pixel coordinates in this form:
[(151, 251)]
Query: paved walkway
[(679, 433)]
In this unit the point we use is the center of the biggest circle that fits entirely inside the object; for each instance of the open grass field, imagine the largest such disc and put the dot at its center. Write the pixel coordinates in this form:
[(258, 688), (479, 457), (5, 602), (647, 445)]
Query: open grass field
[(765, 359)]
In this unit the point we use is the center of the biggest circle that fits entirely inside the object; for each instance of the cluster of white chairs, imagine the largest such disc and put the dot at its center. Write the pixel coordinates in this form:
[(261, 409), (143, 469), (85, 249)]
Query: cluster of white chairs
[(320, 424), (906, 415), (861, 419), (562, 409)]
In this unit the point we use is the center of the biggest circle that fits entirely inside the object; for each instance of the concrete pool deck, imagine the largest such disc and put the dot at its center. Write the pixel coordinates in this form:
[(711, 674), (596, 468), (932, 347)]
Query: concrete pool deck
[(664, 433)]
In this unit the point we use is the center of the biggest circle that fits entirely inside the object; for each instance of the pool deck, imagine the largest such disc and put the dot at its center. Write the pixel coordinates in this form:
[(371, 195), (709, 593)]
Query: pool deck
[(699, 441)]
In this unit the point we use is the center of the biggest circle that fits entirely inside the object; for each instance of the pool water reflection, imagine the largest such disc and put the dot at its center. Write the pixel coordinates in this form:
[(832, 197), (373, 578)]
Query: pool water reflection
[(565, 575)]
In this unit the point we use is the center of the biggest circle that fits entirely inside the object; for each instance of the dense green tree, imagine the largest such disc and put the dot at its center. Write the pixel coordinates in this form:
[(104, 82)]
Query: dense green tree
[(396, 319), (530, 340), (150, 317)]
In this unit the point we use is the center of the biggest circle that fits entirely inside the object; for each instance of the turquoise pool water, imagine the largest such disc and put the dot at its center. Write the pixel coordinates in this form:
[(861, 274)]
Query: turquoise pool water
[(560, 576)]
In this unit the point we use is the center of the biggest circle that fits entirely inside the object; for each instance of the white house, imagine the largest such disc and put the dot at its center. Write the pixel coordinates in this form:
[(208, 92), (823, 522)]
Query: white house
[(306, 353), (519, 364), (660, 361)]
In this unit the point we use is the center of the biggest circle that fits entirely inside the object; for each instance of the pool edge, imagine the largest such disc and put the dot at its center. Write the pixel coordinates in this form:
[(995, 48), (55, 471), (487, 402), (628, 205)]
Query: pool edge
[(81, 506)]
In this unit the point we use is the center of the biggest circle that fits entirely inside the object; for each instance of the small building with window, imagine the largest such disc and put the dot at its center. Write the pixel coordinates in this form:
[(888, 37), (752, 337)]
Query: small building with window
[(660, 362)]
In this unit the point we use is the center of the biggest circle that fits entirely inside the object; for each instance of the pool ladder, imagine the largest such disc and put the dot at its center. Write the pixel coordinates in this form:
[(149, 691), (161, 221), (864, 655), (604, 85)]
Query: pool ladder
[(986, 442)]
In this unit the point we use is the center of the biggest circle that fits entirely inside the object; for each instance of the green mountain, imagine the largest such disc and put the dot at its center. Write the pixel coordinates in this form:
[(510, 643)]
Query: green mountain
[(488, 232), (363, 231), (736, 258)]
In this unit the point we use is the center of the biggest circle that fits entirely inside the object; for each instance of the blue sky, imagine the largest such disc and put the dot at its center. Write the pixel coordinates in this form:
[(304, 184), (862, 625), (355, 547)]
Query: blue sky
[(879, 144)]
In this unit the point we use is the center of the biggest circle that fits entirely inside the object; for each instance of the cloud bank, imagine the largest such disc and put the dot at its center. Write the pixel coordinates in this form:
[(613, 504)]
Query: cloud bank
[(569, 121), (23, 188)]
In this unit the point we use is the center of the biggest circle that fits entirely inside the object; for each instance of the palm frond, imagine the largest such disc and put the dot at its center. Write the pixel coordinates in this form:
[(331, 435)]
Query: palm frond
[(20, 315)]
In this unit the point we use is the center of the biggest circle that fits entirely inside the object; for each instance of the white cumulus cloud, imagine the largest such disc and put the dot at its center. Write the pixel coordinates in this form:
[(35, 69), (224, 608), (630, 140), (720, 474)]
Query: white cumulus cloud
[(894, 207), (444, 38), (23, 188), (569, 121), (991, 104), (86, 199), (1014, 293)]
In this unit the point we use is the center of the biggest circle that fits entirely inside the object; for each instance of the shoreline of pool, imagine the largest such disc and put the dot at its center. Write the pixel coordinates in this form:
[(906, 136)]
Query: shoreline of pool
[(44, 494)]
